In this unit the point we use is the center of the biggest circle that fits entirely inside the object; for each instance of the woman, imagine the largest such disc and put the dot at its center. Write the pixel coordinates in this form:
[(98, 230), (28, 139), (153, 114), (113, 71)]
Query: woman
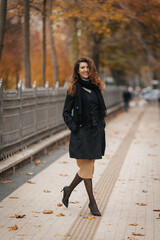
[(87, 141)]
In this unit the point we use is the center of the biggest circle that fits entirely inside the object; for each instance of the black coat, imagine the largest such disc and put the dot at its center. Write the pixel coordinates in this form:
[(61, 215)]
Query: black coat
[(87, 140)]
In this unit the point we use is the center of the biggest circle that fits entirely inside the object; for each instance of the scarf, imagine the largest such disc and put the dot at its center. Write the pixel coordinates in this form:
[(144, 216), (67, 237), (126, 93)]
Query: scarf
[(82, 101)]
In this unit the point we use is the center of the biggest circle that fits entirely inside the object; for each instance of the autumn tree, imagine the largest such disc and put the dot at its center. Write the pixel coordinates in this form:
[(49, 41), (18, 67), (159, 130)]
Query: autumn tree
[(3, 10)]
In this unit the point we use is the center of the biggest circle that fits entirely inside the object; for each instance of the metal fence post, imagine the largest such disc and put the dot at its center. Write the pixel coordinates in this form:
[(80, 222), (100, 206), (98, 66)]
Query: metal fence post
[(1, 116), (35, 109), (20, 111), (46, 87)]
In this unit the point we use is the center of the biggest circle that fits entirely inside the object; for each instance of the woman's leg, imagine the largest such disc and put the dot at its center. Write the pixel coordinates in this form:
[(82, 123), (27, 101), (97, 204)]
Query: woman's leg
[(68, 189)]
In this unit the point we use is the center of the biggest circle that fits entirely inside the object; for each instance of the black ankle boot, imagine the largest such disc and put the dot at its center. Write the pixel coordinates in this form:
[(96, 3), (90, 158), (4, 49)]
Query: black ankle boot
[(97, 213), (64, 195)]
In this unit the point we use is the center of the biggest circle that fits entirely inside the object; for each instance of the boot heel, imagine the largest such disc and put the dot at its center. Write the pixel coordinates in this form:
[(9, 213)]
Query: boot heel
[(64, 195)]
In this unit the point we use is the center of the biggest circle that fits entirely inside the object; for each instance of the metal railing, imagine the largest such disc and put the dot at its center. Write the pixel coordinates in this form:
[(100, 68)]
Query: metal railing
[(29, 115)]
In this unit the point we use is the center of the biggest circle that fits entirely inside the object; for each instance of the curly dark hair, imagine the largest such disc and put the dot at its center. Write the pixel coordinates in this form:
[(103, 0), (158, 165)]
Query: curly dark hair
[(93, 75)]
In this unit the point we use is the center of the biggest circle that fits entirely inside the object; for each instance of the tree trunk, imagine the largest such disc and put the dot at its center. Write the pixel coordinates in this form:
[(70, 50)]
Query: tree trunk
[(3, 9), (44, 44), (75, 44), (27, 45), (97, 39), (53, 48)]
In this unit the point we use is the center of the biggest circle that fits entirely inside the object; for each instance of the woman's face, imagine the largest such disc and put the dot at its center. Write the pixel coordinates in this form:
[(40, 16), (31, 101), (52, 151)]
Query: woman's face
[(83, 70)]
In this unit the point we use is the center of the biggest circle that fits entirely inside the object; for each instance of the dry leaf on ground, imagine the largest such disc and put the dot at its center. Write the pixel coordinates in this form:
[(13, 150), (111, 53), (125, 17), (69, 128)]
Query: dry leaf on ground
[(14, 197), (144, 191), (91, 218), (156, 210), (38, 225), (6, 181), (49, 153), (48, 211), (158, 218), (133, 224), (108, 224), (74, 202), (15, 227), (60, 215), (157, 179), (20, 215), (59, 204), (141, 204), (63, 235), (12, 217), (37, 161), (46, 191), (138, 234), (132, 238), (22, 235), (63, 175), (35, 212), (29, 173), (31, 182)]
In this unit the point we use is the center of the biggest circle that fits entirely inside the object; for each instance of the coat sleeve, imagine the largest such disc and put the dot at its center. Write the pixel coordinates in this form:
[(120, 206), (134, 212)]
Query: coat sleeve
[(67, 113)]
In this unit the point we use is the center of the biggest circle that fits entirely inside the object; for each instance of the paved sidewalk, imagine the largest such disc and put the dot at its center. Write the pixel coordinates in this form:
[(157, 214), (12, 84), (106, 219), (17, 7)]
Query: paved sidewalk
[(127, 189)]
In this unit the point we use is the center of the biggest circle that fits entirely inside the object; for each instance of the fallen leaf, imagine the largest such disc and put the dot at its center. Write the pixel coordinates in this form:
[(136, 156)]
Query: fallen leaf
[(59, 204), (20, 216), (91, 218), (48, 211), (63, 175), (132, 238), (141, 204), (157, 179), (46, 191), (60, 215), (133, 224), (156, 210), (108, 224), (22, 235), (63, 235), (138, 234), (14, 197), (144, 191), (30, 181), (15, 227), (74, 202), (6, 181), (29, 173), (38, 225), (49, 153), (35, 212), (158, 218), (37, 162), (21, 173), (12, 217)]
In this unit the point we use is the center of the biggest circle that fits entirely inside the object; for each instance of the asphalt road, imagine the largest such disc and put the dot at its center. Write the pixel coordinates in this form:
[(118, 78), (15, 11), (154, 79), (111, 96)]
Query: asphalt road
[(21, 175)]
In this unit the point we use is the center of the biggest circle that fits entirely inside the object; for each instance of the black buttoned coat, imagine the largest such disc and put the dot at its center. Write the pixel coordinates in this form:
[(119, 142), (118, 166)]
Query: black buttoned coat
[(86, 141)]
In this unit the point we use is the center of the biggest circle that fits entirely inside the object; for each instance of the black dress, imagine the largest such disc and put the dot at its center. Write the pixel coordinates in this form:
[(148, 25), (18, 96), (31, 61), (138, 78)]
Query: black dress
[(88, 141)]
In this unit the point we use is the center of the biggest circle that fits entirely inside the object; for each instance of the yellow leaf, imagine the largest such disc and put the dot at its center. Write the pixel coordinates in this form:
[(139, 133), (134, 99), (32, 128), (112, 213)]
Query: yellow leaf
[(15, 227), (22, 235), (60, 215), (59, 204), (91, 218), (46, 191), (133, 224), (48, 211), (132, 238), (156, 210), (63, 235), (35, 212), (63, 175), (74, 202)]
